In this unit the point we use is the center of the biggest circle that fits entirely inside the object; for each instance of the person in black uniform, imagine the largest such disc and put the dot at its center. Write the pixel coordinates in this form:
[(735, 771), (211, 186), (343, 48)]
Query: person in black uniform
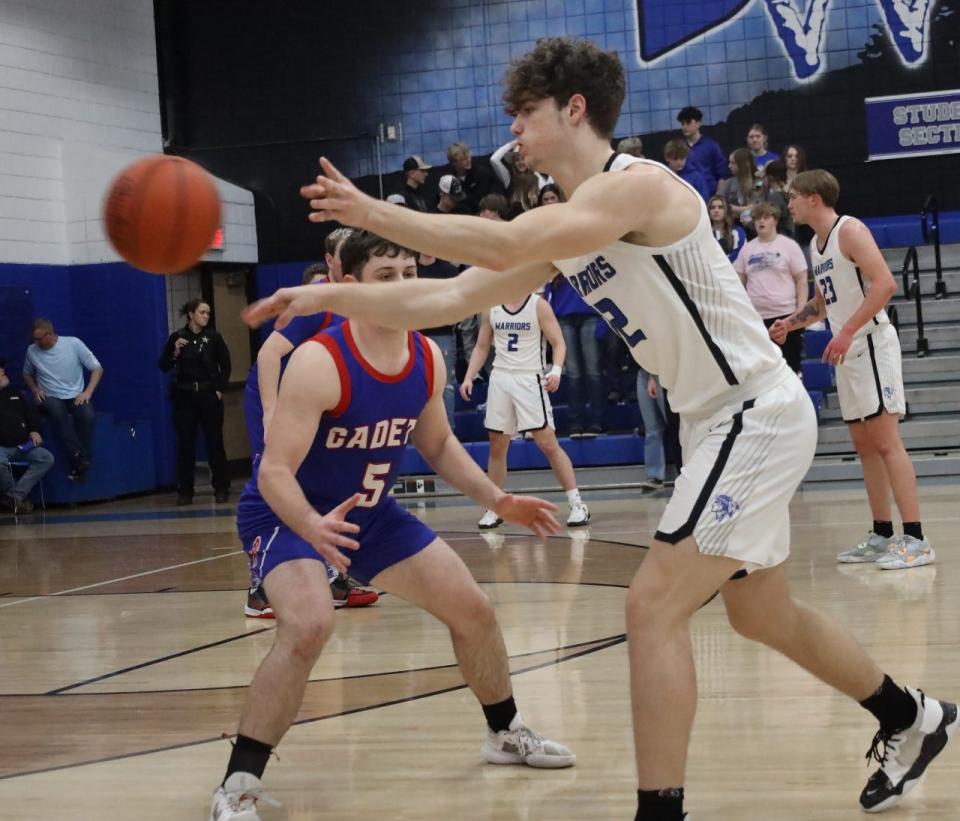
[(202, 367)]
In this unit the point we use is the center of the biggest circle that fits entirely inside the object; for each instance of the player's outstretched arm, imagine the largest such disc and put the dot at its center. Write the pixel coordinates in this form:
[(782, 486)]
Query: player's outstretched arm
[(437, 444), (271, 352), (310, 386), (601, 210), (406, 305)]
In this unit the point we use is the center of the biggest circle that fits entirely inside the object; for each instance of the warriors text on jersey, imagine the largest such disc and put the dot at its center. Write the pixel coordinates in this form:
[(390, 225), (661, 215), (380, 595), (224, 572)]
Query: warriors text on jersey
[(360, 443), (841, 283), (517, 337), (683, 313)]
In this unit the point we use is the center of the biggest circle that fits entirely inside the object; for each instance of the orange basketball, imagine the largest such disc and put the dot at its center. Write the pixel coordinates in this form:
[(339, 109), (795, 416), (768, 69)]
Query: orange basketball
[(161, 212)]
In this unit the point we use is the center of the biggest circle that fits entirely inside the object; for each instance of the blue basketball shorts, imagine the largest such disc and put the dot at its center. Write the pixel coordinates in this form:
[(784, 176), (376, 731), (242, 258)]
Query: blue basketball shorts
[(389, 537)]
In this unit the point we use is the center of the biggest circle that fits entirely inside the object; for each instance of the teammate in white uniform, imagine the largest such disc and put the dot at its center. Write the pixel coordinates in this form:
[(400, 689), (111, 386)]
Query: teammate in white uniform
[(637, 244), (853, 283), (517, 400)]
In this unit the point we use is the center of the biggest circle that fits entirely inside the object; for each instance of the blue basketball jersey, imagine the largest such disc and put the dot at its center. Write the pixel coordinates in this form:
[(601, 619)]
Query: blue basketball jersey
[(360, 443)]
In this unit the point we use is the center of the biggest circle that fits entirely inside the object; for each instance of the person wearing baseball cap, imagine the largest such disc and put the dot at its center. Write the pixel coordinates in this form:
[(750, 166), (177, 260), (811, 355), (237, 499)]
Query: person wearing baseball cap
[(414, 176), (451, 198)]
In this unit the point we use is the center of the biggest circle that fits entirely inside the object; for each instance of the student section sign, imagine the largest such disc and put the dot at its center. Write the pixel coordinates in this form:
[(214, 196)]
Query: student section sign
[(913, 125)]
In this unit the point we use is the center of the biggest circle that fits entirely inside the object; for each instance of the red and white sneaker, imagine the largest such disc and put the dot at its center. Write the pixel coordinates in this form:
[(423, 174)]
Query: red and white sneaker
[(348, 593), (257, 606)]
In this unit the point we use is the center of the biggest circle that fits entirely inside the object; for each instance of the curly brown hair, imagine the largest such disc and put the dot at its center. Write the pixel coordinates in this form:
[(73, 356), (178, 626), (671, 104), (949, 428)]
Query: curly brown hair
[(559, 67)]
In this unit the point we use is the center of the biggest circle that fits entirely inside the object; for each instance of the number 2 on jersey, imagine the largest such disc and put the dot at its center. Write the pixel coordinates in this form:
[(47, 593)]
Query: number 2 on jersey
[(512, 340), (373, 485), (618, 321)]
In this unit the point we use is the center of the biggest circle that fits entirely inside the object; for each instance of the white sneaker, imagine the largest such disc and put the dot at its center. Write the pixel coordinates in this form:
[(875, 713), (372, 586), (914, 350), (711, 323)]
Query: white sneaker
[(869, 550), (236, 799), (521, 745), (906, 551), (906, 753), (579, 515), (489, 520)]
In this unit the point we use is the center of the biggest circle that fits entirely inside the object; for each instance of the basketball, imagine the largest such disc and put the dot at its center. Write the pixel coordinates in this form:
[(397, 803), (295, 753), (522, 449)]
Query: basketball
[(160, 213)]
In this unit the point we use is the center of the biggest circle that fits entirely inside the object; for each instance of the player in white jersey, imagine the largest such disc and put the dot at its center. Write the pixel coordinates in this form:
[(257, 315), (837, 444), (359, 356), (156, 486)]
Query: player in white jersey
[(637, 244), (853, 283), (517, 400)]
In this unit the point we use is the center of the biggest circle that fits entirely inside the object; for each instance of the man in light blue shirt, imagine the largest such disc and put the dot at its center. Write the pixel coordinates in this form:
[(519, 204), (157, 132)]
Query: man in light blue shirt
[(53, 370)]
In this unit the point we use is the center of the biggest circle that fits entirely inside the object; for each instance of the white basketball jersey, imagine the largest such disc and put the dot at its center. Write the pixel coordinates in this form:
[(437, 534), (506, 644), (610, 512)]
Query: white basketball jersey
[(841, 283), (683, 313), (516, 337)]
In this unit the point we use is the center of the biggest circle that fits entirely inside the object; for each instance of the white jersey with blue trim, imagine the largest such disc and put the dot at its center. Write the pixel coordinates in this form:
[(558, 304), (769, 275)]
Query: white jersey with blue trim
[(683, 313), (517, 338), (841, 283)]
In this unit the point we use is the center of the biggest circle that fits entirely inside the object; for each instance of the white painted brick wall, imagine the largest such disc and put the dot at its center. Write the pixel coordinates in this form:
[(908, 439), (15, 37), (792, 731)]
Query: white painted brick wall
[(78, 101)]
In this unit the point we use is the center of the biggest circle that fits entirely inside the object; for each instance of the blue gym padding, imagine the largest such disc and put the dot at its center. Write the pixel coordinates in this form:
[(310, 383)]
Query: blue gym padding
[(904, 230), (816, 375), (814, 343), (123, 462), (817, 398)]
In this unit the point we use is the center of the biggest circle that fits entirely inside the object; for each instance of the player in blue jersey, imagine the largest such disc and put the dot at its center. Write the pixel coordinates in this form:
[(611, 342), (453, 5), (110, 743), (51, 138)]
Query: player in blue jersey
[(350, 400), (260, 399)]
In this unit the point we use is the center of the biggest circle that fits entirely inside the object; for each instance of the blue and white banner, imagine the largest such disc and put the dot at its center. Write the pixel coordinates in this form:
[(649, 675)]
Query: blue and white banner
[(913, 125)]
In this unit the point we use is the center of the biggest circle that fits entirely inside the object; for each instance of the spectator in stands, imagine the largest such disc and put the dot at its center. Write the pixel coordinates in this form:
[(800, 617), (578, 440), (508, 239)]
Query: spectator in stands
[(524, 193), (551, 194), (795, 159), (774, 192), (414, 176), (774, 271), (586, 390), (757, 143), (507, 163), (676, 153), (705, 152), (744, 189), (451, 198), (432, 268), (494, 206), (653, 412), (476, 178), (201, 361), (632, 146), (729, 234), (20, 441), (53, 370)]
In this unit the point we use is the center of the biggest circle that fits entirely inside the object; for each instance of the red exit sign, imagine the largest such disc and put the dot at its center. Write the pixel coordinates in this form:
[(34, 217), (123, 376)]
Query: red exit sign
[(218, 240)]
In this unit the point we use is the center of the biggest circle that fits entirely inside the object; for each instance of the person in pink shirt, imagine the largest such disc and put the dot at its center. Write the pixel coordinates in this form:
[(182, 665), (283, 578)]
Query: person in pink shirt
[(774, 271)]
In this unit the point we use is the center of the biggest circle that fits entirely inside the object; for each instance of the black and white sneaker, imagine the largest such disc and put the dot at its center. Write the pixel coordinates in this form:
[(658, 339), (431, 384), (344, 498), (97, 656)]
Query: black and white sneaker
[(904, 755)]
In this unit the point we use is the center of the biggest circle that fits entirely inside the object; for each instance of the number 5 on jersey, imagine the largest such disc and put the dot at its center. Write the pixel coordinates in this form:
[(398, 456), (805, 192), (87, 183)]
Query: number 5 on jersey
[(373, 485)]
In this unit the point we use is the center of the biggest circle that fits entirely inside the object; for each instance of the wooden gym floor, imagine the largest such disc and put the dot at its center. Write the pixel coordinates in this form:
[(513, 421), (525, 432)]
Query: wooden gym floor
[(125, 655)]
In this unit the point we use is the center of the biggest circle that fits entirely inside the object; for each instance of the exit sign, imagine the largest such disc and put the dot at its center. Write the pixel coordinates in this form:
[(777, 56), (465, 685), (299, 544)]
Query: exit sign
[(216, 243)]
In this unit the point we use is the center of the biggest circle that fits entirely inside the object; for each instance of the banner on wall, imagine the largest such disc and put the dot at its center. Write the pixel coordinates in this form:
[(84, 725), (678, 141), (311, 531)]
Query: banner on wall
[(913, 125)]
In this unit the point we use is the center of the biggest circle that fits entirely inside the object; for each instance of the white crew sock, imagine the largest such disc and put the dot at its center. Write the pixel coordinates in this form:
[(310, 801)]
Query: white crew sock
[(573, 497)]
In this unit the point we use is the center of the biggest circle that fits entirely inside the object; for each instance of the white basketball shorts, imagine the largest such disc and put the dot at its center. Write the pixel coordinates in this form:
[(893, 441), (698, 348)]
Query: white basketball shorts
[(870, 378), (741, 468), (517, 402)]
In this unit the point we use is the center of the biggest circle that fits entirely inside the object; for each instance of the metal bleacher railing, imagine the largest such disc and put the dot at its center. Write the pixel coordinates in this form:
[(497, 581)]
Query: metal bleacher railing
[(931, 231)]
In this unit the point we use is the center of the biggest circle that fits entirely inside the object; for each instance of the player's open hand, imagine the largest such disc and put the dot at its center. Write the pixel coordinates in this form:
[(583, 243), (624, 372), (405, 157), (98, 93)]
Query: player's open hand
[(334, 197), (327, 534), (285, 304), (535, 514), (837, 348), (778, 332)]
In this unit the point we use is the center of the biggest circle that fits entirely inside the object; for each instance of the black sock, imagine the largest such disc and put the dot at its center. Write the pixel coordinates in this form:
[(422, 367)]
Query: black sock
[(892, 706), (660, 805), (248, 756), (884, 529), (500, 715), (913, 529)]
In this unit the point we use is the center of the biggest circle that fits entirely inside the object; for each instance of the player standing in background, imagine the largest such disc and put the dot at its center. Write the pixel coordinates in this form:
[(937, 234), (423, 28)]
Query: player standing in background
[(517, 400)]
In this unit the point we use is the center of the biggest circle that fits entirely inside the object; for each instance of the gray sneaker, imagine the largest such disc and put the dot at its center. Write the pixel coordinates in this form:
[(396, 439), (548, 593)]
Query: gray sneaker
[(521, 745), (869, 550), (906, 551)]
